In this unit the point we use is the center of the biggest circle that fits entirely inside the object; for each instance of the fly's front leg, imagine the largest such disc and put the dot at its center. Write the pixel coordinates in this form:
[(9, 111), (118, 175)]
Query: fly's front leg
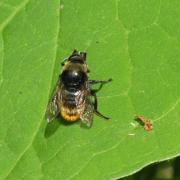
[(93, 93), (74, 52), (64, 61), (92, 82)]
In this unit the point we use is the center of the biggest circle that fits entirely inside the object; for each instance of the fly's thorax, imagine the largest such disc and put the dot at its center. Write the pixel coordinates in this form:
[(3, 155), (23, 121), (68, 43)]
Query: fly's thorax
[(74, 76)]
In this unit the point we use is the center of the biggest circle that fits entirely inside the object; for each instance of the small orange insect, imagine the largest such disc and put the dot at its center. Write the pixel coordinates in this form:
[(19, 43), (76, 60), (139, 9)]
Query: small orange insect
[(145, 122)]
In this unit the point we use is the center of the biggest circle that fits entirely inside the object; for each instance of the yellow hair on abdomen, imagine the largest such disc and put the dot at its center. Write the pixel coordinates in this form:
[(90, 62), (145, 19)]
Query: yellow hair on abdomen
[(70, 114)]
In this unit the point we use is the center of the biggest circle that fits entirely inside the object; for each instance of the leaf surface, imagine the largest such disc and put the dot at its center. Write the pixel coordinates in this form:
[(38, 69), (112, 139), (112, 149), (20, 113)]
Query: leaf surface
[(137, 43)]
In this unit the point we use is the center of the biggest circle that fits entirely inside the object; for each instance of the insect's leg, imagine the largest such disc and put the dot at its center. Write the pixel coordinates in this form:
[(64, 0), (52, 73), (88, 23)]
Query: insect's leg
[(96, 104), (74, 51), (99, 81), (64, 61)]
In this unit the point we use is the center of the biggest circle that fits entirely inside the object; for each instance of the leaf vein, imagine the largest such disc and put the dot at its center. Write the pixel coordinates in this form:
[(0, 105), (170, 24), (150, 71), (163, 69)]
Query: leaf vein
[(168, 111), (11, 17)]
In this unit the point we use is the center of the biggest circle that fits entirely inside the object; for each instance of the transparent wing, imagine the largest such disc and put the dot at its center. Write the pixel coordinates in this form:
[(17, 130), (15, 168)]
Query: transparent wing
[(87, 115), (52, 109)]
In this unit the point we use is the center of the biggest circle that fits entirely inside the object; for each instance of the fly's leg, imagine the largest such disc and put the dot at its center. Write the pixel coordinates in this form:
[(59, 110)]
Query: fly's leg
[(92, 82), (99, 81), (93, 93), (64, 61)]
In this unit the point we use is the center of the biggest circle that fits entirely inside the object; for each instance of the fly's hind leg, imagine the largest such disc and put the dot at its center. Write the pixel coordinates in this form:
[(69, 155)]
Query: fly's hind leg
[(92, 82), (93, 93)]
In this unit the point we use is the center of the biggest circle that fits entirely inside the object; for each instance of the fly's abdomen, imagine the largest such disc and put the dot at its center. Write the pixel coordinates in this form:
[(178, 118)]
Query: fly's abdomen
[(69, 114), (70, 99), (68, 108)]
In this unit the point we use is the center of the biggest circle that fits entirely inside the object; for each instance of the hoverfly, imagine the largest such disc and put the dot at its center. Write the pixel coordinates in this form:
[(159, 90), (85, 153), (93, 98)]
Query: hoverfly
[(73, 97)]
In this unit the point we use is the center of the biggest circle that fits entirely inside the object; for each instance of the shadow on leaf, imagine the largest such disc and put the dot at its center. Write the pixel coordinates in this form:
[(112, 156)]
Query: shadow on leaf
[(53, 126)]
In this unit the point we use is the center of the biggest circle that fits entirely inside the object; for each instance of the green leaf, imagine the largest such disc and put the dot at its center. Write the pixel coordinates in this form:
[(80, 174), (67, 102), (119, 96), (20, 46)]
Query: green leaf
[(28, 43), (137, 43)]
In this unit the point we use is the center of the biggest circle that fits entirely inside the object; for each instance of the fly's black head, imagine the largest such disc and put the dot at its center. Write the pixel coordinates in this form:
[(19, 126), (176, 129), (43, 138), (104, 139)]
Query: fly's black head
[(73, 79), (77, 57)]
